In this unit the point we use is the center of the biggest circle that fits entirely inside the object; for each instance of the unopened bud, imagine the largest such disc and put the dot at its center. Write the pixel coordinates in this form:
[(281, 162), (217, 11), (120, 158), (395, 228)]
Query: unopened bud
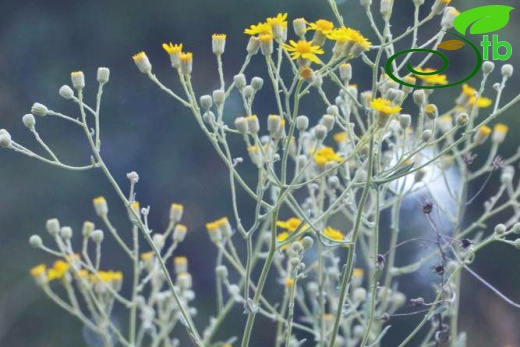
[(78, 80), (257, 83), (103, 75), (206, 101), (29, 121), (240, 81), (35, 241), (53, 226), (241, 125), (97, 236), (38, 109)]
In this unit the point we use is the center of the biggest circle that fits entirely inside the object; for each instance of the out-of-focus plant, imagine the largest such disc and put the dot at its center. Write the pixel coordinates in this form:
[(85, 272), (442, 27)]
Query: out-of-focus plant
[(361, 157)]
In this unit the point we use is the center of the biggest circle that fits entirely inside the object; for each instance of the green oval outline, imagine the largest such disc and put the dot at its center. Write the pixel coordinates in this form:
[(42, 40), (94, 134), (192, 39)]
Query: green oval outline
[(388, 65)]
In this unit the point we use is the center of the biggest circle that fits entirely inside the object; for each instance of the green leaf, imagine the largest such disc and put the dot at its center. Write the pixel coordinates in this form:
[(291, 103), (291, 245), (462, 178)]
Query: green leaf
[(483, 19), (451, 45)]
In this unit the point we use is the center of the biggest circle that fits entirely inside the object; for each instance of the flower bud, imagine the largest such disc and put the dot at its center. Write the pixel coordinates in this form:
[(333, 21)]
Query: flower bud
[(222, 272), (142, 62), (97, 236), (241, 125), (100, 206), (320, 132), (35, 241), (186, 63), (516, 228), (240, 81), (488, 67), (359, 295), (386, 8), (158, 240), (274, 123), (450, 13), (103, 75), (499, 133), (508, 173), (219, 96), (500, 229), (482, 134), (431, 111), (345, 72), (405, 120), (180, 265), (176, 211), (253, 45), (257, 83), (179, 233), (302, 123), (208, 117), (507, 70), (419, 97), (266, 43), (88, 228), (439, 6), (206, 102), (66, 233), (5, 139), (78, 79), (462, 119), (299, 27), (38, 109), (252, 124), (307, 242), (365, 3), (184, 281), (328, 121), (66, 92), (218, 43), (29, 121), (53, 226), (249, 91)]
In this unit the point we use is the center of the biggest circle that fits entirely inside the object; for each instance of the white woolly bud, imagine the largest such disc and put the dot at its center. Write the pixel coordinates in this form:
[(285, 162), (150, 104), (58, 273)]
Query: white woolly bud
[(5, 139), (66, 233), (488, 67), (507, 70), (219, 96), (97, 236), (206, 101), (320, 132), (103, 74), (78, 79), (35, 241), (257, 83), (66, 92), (240, 81), (241, 125), (53, 226), (38, 109), (29, 121), (302, 123)]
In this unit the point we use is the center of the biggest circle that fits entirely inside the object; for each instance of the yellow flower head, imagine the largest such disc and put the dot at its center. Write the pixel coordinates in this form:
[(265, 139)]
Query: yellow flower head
[(482, 102), (325, 155), (260, 28), (384, 107), (278, 23), (172, 48), (58, 270), (333, 234), (38, 270), (345, 34), (501, 128), (289, 283), (431, 79), (303, 49), (468, 91), (340, 137), (322, 25), (291, 224)]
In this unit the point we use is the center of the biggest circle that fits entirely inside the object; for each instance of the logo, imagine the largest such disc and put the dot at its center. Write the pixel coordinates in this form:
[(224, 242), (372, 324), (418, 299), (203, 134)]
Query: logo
[(481, 20)]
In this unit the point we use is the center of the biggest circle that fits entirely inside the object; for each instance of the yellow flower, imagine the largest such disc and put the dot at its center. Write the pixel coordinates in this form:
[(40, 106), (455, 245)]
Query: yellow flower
[(384, 106), (38, 270), (322, 25), (325, 155), (431, 79), (278, 24), (482, 102), (289, 283), (260, 28), (340, 137), (303, 49), (499, 133), (58, 270), (482, 134), (468, 91), (291, 224), (147, 256), (358, 272), (345, 35), (333, 234), (172, 48)]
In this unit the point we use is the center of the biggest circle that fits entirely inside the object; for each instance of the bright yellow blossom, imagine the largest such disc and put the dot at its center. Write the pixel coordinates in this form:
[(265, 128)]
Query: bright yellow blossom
[(38, 270), (322, 25), (384, 106), (291, 224), (349, 35), (340, 137), (334, 234), (325, 155), (58, 270), (482, 102), (260, 28), (172, 48), (431, 79), (303, 49)]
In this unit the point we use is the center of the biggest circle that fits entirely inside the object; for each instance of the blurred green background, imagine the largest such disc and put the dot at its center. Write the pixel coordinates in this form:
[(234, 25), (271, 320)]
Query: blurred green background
[(41, 42)]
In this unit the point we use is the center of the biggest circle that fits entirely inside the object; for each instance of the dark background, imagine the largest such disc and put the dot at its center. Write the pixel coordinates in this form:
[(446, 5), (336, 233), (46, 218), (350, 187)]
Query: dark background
[(144, 130)]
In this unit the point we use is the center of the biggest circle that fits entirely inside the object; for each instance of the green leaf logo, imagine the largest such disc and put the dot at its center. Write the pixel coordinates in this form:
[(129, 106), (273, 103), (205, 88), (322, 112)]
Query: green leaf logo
[(483, 19)]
